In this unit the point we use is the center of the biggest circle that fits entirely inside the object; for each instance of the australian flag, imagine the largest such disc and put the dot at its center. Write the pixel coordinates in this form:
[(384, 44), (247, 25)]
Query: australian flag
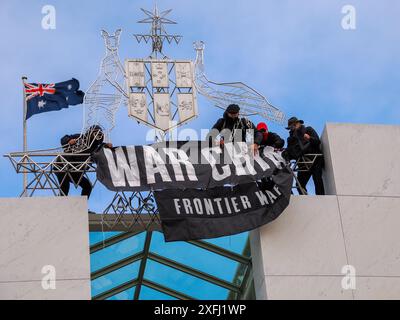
[(50, 97)]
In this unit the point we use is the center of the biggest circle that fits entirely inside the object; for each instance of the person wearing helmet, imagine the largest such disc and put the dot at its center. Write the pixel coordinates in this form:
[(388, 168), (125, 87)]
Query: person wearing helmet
[(231, 127), (270, 139)]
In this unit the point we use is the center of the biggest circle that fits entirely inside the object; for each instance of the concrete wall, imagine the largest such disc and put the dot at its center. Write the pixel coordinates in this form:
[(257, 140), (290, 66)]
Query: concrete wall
[(362, 160), (301, 254), (37, 232)]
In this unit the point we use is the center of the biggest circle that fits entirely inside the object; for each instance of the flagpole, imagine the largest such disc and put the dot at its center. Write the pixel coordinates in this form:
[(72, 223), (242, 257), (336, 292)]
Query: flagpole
[(25, 144)]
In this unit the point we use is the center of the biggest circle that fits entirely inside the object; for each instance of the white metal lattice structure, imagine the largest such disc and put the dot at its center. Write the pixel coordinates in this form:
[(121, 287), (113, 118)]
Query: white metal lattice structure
[(161, 92), (222, 94), (129, 210), (179, 81), (105, 95), (157, 34), (42, 168)]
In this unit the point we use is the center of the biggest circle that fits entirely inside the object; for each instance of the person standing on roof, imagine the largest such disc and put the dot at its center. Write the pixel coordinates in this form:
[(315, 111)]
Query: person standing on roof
[(269, 139), (94, 137), (304, 140)]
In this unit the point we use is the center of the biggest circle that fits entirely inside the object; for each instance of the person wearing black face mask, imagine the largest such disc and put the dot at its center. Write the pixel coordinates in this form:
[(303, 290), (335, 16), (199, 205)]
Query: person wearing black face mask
[(305, 140), (233, 128), (270, 139)]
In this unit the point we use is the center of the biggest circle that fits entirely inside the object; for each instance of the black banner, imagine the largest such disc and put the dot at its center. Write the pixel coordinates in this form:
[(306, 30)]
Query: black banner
[(200, 214), (178, 165)]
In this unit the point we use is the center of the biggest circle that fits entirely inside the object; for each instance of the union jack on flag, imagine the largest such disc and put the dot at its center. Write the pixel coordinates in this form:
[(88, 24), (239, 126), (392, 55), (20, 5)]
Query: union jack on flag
[(32, 90), (42, 97)]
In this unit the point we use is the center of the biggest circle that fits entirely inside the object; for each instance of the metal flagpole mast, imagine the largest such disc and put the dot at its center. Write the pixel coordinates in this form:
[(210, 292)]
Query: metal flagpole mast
[(25, 147)]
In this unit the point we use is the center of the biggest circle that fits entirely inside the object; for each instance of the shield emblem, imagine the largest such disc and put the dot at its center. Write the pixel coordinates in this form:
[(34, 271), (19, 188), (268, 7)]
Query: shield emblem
[(161, 93)]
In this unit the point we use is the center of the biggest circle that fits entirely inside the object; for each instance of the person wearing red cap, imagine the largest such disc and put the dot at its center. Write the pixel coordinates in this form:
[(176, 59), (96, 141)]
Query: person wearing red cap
[(270, 139)]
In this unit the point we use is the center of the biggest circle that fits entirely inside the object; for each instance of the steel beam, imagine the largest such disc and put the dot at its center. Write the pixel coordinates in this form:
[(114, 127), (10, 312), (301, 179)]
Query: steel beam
[(193, 272), (112, 292), (116, 265), (99, 222), (165, 290), (143, 265), (112, 240), (221, 251)]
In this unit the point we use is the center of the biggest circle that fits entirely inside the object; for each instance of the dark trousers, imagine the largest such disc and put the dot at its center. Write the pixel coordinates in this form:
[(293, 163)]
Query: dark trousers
[(316, 173), (64, 180)]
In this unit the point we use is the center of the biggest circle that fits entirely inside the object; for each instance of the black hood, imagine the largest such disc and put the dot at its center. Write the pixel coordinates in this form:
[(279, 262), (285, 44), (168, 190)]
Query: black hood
[(229, 119)]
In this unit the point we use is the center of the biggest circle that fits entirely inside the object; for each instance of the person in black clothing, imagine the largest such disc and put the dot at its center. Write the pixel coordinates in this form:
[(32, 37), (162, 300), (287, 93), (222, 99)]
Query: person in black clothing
[(232, 128), (270, 139), (94, 136), (305, 140)]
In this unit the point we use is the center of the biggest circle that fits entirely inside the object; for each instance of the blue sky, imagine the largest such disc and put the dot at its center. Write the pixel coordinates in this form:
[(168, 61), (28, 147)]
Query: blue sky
[(294, 52)]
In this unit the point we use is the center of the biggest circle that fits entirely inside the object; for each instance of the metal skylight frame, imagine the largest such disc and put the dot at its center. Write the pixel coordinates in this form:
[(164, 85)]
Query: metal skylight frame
[(235, 289)]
